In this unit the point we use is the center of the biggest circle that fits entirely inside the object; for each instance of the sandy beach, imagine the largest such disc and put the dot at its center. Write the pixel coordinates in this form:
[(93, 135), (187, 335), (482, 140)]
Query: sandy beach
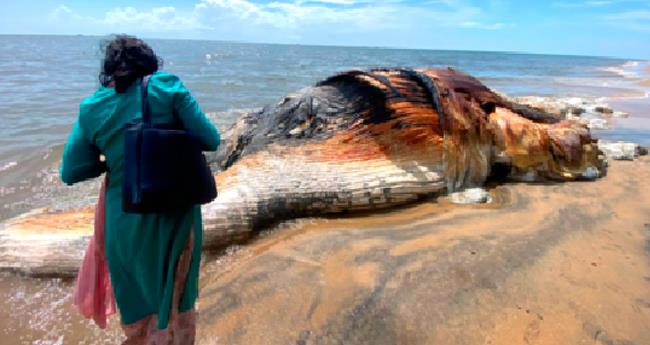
[(545, 264), (556, 263)]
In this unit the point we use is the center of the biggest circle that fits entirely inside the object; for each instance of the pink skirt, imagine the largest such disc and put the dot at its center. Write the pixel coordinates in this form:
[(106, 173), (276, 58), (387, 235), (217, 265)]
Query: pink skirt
[(93, 294)]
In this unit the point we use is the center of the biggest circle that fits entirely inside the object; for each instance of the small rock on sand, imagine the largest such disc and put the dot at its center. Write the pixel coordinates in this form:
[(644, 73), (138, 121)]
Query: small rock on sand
[(470, 196), (590, 112), (595, 123), (604, 110), (619, 150), (556, 106)]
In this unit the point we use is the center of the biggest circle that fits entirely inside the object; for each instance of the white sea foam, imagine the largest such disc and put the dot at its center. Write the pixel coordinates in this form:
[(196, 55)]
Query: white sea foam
[(631, 64), (627, 70), (8, 166), (596, 113)]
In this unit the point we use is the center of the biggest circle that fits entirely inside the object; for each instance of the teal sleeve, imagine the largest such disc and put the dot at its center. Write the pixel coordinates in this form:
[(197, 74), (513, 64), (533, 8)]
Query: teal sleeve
[(80, 158), (194, 120)]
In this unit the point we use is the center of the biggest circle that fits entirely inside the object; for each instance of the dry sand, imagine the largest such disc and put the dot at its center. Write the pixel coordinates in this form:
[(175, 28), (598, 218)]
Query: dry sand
[(547, 264)]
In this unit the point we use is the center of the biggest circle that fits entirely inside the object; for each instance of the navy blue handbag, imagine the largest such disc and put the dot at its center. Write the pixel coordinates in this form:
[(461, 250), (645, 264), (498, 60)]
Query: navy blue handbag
[(164, 166)]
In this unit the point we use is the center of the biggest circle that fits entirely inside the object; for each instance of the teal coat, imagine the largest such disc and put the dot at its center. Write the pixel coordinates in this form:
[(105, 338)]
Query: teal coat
[(141, 249)]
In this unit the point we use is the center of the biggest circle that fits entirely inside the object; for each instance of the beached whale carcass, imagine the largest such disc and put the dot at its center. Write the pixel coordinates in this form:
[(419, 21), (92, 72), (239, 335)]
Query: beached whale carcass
[(365, 140), (360, 140)]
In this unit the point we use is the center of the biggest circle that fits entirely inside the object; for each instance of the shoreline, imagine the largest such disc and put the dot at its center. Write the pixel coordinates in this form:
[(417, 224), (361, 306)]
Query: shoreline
[(633, 128), (646, 82)]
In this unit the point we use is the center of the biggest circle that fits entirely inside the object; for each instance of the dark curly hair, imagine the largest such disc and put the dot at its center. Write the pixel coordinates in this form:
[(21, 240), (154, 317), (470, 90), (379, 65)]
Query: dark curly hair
[(126, 58)]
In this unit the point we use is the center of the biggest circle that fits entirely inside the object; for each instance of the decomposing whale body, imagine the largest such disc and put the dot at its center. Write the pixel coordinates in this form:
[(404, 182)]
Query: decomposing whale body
[(368, 140), (357, 141)]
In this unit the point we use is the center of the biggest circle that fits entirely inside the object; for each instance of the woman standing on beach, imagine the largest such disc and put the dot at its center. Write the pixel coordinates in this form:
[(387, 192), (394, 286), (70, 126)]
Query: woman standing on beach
[(153, 258)]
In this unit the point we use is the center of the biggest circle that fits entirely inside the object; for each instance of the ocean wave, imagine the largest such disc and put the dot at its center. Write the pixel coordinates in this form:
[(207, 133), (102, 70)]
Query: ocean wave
[(8, 166), (629, 69), (229, 116), (631, 64)]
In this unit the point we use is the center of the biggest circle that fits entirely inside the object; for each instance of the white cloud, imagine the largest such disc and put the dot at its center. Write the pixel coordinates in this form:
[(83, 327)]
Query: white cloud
[(631, 15), (336, 2), (157, 19), (282, 20), (597, 3), (365, 15), (591, 3), (476, 25), (638, 20), (60, 10)]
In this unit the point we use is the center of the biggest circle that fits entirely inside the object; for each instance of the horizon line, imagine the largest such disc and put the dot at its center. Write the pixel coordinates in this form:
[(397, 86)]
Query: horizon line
[(513, 52)]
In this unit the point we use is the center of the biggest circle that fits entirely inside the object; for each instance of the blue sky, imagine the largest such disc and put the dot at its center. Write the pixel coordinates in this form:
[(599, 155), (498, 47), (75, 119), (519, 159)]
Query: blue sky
[(583, 27)]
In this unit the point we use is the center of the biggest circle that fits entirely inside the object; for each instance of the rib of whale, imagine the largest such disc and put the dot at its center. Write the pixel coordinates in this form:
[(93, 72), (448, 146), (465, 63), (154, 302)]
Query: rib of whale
[(360, 140)]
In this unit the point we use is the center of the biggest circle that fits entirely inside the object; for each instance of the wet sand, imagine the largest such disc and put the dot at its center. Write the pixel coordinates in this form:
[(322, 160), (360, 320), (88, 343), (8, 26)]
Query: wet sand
[(646, 82), (546, 264), (635, 128), (40, 312)]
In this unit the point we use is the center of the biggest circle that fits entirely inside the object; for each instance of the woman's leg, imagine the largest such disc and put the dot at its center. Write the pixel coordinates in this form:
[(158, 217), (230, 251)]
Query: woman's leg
[(182, 326)]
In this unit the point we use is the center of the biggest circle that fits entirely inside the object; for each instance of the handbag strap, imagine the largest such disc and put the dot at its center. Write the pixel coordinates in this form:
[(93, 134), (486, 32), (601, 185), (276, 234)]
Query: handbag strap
[(146, 111), (146, 107)]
